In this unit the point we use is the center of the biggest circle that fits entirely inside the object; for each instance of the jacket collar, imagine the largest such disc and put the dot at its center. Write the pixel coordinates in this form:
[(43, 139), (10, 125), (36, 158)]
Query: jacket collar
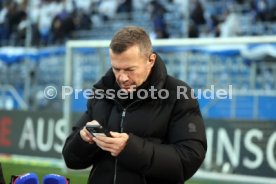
[(156, 78)]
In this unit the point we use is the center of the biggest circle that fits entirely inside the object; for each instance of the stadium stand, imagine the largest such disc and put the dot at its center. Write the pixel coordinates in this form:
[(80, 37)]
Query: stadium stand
[(54, 21)]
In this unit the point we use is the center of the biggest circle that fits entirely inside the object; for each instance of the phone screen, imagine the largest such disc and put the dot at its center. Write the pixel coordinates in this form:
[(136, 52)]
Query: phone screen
[(96, 130)]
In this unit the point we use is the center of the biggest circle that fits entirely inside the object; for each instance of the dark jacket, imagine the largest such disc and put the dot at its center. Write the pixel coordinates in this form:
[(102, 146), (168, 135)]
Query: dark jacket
[(167, 141)]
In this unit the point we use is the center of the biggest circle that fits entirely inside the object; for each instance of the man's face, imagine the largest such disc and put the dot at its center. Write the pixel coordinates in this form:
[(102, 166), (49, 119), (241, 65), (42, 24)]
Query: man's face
[(131, 68)]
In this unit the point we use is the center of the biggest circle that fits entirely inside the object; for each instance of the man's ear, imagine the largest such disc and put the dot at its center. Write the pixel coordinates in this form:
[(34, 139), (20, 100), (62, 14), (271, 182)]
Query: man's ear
[(152, 58)]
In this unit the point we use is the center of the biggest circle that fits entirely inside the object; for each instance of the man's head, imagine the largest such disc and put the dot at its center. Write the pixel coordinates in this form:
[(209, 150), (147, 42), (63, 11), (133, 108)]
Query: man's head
[(131, 57)]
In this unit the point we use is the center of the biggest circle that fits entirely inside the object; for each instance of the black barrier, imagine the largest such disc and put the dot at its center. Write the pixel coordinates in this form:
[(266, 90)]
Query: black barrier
[(243, 147), (40, 134)]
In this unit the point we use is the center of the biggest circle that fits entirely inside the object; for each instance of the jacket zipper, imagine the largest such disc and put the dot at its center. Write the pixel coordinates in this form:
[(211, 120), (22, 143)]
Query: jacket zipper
[(122, 121), (121, 130)]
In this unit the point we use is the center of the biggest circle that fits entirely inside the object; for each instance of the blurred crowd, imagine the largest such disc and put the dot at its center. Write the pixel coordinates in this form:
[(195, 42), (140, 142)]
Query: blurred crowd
[(53, 21), (230, 18), (45, 22)]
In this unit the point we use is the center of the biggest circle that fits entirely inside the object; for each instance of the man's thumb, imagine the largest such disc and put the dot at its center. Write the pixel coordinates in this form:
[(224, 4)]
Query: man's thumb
[(115, 134)]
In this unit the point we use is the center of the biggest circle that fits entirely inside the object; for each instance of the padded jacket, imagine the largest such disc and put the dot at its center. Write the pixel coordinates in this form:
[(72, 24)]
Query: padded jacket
[(167, 141)]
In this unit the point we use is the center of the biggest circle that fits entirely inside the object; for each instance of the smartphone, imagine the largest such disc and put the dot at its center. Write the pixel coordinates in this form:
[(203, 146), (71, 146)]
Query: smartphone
[(96, 130)]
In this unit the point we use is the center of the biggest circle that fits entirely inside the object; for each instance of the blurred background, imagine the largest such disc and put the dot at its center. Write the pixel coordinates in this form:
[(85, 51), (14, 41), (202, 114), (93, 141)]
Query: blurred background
[(210, 44)]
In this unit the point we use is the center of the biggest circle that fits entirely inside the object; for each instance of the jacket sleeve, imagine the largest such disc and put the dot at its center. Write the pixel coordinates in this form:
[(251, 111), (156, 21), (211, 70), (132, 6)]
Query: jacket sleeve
[(180, 157), (77, 153)]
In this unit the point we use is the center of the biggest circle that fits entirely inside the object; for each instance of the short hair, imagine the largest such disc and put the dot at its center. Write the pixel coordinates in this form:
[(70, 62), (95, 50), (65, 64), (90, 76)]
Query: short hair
[(130, 36)]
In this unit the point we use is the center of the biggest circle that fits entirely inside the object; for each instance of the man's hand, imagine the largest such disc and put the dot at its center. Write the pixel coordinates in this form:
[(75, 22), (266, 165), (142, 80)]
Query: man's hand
[(114, 144), (85, 135)]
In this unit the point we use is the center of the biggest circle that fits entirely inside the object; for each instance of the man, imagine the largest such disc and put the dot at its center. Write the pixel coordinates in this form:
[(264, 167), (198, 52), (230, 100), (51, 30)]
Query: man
[(155, 139)]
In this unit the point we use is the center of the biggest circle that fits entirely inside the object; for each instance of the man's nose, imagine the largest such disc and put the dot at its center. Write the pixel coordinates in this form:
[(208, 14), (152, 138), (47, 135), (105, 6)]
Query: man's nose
[(123, 77)]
